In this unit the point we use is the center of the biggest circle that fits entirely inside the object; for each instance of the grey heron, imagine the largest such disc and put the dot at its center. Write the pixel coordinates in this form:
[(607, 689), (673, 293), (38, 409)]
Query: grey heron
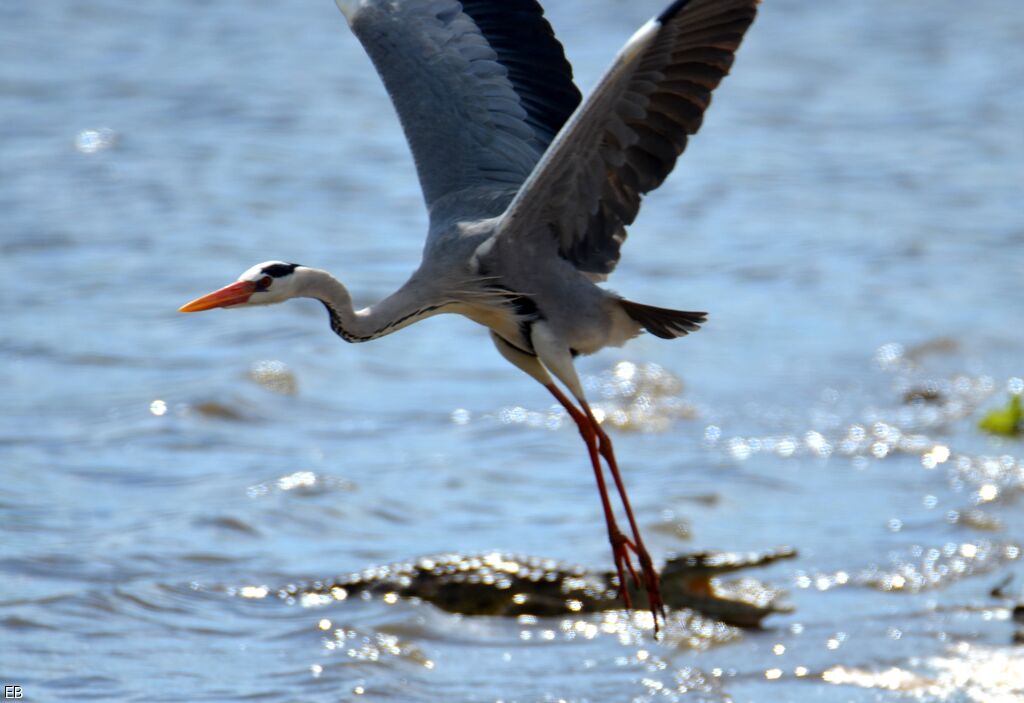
[(529, 191)]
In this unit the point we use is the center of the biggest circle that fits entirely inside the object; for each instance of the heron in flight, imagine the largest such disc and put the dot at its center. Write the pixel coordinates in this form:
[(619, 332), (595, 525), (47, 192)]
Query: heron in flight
[(529, 191)]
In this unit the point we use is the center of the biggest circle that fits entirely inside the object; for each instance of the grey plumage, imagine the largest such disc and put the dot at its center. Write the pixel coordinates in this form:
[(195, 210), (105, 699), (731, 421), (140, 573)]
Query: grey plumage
[(481, 88), (529, 189), (627, 136)]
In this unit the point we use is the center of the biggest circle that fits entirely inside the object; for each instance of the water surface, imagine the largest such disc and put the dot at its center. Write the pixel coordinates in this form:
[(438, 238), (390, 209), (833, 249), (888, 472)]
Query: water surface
[(849, 215)]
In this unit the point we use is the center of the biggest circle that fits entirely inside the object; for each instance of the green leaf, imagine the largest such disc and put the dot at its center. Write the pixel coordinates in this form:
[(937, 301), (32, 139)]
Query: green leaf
[(1007, 422)]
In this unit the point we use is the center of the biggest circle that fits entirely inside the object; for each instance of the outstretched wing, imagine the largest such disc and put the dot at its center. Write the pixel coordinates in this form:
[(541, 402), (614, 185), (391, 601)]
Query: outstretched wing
[(625, 139), (481, 88)]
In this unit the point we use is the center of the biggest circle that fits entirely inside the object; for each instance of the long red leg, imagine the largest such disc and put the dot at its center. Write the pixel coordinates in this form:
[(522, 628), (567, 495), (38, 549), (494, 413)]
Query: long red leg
[(593, 435), (651, 581), (620, 543)]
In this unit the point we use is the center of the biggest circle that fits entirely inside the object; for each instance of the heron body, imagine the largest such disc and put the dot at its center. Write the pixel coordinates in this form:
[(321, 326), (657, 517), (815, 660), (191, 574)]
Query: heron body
[(529, 189)]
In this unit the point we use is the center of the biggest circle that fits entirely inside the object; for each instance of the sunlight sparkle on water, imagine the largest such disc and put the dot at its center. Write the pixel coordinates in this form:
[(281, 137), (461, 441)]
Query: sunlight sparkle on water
[(91, 141), (313, 600), (988, 492), (893, 679), (254, 592), (274, 376), (299, 479), (968, 673)]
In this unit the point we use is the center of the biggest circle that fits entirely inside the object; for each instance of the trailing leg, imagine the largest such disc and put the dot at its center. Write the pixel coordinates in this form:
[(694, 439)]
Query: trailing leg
[(620, 543), (651, 580)]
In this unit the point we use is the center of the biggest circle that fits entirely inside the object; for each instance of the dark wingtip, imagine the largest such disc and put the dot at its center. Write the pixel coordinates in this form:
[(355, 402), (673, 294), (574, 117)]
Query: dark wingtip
[(671, 11)]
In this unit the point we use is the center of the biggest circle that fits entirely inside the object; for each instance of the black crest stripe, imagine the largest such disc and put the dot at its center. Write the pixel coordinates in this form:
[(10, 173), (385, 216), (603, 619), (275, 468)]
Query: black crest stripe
[(279, 270)]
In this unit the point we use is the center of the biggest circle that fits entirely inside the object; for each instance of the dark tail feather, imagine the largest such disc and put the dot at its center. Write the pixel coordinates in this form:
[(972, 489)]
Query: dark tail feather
[(662, 322)]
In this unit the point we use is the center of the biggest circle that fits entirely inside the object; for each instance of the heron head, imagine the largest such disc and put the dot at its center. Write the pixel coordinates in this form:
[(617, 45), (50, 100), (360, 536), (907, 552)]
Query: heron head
[(263, 284)]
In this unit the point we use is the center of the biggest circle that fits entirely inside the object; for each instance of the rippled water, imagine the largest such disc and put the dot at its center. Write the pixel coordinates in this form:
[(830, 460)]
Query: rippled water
[(849, 216)]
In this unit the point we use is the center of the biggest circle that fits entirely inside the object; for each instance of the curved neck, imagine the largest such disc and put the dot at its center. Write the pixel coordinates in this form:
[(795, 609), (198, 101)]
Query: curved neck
[(405, 306)]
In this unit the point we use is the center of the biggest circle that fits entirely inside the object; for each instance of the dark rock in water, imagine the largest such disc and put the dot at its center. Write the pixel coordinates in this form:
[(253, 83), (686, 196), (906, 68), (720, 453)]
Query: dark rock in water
[(507, 585), (925, 393), (218, 410)]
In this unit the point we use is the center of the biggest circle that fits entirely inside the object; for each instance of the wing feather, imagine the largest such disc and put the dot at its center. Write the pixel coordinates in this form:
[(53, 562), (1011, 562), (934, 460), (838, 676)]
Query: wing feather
[(624, 140), (481, 87)]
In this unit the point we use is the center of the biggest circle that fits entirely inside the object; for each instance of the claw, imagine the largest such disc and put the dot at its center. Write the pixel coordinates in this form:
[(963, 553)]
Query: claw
[(623, 591), (620, 549), (653, 587)]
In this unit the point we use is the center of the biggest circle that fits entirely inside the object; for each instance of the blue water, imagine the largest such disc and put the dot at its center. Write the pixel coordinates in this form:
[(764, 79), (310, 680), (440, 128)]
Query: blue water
[(850, 215)]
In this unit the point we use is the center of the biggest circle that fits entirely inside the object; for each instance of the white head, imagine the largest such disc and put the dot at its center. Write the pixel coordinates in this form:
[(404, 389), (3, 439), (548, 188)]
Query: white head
[(263, 284)]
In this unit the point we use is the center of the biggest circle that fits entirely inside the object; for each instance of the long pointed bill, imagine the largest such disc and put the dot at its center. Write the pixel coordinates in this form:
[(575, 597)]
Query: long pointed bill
[(235, 294)]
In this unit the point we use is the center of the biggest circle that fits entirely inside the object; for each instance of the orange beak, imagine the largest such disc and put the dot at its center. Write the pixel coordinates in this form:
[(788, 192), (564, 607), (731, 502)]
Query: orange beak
[(235, 294)]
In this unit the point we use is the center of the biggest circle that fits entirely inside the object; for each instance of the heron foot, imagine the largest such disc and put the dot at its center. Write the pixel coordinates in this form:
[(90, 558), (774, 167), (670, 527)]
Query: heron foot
[(621, 546), (647, 579), (652, 584)]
